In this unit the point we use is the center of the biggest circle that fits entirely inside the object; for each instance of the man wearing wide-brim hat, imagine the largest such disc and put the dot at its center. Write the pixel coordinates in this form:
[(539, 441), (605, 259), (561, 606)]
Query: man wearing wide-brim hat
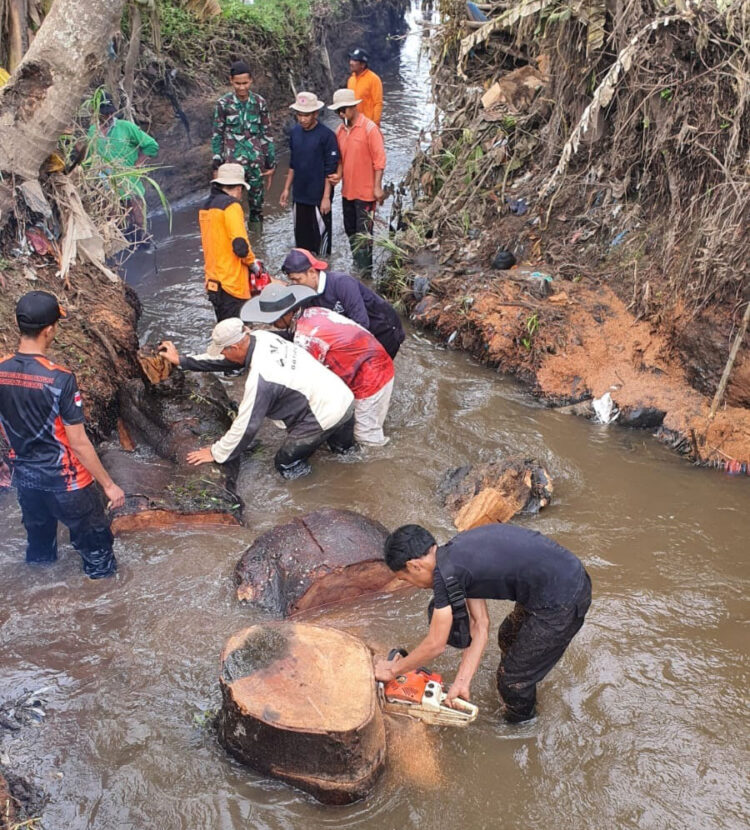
[(345, 347), (361, 169), (314, 156), (230, 268), (284, 383)]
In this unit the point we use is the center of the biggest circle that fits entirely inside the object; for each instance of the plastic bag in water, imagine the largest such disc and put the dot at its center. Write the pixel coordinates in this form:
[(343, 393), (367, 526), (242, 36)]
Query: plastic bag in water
[(605, 409)]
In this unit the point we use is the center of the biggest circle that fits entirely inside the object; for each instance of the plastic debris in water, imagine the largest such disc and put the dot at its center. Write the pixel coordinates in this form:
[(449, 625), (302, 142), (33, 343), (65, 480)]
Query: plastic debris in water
[(605, 409)]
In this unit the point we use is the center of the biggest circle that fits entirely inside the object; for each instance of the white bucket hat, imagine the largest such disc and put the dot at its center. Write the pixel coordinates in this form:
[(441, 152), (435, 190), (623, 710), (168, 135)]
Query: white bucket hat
[(231, 174), (306, 102), (226, 333), (344, 98)]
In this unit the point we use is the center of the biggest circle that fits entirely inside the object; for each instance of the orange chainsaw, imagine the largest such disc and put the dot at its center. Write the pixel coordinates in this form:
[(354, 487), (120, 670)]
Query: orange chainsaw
[(419, 694)]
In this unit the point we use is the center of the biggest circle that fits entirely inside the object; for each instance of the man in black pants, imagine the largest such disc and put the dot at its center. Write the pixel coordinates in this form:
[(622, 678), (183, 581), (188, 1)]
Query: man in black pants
[(53, 462), (549, 585)]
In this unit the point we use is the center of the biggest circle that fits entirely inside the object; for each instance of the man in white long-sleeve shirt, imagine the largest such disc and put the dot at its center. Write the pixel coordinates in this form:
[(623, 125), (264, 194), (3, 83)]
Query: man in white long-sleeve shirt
[(284, 383)]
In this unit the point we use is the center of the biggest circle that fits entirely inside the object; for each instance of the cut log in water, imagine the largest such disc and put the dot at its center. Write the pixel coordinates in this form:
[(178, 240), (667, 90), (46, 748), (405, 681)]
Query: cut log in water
[(299, 704)]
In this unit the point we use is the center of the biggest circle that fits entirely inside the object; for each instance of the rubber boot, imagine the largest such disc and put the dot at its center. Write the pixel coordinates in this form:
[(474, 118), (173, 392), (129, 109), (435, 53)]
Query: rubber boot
[(98, 564), (292, 471)]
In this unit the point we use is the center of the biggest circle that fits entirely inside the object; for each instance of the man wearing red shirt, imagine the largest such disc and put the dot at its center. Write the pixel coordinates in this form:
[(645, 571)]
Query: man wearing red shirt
[(345, 347), (361, 169)]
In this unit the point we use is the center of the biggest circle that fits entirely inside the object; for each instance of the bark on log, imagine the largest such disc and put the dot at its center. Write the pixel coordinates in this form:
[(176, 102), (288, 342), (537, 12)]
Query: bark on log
[(299, 704), (43, 94), (323, 557)]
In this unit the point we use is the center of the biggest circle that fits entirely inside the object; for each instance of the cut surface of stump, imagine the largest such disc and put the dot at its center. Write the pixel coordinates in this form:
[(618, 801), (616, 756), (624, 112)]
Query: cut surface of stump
[(299, 704), (495, 492), (323, 557)]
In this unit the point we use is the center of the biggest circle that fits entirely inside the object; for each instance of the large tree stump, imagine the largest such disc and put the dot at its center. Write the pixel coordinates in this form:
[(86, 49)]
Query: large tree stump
[(299, 704), (320, 558)]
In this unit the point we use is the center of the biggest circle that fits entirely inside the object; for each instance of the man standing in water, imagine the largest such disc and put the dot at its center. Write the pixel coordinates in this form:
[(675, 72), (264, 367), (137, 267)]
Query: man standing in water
[(548, 583), (345, 295), (54, 464), (365, 84), (314, 155), (230, 267), (241, 125), (362, 164)]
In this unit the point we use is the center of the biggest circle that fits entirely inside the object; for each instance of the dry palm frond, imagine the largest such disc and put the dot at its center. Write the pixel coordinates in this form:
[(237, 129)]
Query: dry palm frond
[(203, 9), (602, 97)]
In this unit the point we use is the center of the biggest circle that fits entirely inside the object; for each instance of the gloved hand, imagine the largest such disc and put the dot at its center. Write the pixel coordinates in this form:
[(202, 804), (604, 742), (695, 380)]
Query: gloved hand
[(256, 269)]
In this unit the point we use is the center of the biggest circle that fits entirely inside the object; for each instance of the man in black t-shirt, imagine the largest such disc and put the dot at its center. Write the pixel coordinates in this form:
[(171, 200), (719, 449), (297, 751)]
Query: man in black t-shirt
[(53, 463), (548, 583)]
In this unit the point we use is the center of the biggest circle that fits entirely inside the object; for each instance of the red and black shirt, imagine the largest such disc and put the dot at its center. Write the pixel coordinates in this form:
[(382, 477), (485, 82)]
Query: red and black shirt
[(38, 399)]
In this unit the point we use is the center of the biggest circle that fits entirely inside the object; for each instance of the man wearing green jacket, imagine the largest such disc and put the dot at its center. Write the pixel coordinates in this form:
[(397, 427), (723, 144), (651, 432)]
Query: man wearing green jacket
[(123, 145)]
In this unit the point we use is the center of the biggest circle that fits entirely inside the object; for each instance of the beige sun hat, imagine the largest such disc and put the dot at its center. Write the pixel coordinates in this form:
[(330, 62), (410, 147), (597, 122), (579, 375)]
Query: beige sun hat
[(226, 333), (231, 174), (306, 102), (344, 98)]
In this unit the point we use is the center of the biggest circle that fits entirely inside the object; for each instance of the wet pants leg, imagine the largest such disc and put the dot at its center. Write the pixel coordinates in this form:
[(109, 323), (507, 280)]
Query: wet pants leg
[(291, 457), (312, 229), (255, 198), (359, 220), (370, 414), (37, 513), (532, 642), (225, 305)]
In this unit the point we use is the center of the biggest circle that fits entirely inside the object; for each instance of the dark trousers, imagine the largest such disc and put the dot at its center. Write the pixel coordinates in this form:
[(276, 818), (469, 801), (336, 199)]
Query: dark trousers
[(312, 229), (296, 450), (83, 514), (391, 340), (225, 305), (359, 219), (531, 643)]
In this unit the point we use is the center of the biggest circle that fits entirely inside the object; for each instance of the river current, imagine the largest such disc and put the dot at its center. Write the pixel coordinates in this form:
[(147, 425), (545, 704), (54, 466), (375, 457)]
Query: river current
[(643, 724)]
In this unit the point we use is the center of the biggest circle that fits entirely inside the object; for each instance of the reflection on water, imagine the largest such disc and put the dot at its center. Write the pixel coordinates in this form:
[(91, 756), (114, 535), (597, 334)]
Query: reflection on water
[(640, 726)]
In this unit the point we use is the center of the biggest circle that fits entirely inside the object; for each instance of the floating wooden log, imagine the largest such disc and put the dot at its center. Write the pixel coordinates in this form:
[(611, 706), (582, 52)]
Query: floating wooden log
[(299, 704)]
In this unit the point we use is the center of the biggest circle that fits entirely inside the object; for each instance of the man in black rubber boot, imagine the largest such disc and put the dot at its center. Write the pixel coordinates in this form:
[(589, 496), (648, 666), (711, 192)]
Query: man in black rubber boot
[(53, 462), (548, 583)]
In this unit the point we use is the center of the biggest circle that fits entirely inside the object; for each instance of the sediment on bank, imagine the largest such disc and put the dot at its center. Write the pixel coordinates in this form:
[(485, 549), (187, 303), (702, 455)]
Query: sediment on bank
[(583, 148)]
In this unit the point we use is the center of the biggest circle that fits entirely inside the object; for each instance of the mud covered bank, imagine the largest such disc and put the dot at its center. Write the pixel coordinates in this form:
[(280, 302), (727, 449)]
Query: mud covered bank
[(567, 233)]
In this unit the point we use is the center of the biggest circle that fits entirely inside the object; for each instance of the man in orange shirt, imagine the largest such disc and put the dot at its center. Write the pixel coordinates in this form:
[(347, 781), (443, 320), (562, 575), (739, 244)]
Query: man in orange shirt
[(361, 168), (366, 85), (229, 261)]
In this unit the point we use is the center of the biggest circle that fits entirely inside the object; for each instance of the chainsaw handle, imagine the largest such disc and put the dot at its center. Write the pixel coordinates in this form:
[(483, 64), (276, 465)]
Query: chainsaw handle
[(397, 652)]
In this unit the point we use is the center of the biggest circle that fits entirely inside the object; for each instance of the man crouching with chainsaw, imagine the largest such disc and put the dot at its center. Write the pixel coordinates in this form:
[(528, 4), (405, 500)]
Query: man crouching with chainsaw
[(548, 583)]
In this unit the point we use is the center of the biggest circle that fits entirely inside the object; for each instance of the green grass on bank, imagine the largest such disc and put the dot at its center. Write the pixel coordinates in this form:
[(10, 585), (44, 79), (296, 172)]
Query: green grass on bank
[(283, 26)]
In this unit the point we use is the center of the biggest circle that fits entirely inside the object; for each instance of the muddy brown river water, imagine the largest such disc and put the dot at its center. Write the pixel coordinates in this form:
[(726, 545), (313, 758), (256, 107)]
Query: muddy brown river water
[(643, 724)]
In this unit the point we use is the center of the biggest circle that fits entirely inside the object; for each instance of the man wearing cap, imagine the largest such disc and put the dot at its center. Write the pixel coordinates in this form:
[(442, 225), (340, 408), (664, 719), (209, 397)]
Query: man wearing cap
[(339, 343), (240, 134), (362, 164), (314, 155), (230, 268), (284, 383), (346, 295), (123, 145), (366, 85), (53, 461)]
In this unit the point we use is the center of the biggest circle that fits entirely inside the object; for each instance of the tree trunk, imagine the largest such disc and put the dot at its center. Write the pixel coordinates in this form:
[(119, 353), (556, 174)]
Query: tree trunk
[(299, 704), (46, 89)]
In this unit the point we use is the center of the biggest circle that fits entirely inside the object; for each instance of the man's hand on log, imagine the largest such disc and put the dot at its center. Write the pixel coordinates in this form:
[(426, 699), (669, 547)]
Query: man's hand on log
[(201, 456), (169, 351), (115, 495)]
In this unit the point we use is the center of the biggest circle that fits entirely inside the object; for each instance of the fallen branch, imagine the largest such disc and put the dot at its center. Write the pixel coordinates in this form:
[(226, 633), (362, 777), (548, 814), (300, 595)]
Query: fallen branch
[(730, 363)]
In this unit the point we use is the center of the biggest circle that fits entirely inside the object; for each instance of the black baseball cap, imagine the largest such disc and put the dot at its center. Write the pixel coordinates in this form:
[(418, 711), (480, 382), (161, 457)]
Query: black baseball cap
[(106, 105), (38, 309), (299, 260), (358, 55)]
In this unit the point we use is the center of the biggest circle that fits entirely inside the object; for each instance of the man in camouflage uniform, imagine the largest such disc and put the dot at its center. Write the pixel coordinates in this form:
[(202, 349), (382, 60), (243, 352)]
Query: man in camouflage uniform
[(240, 135)]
